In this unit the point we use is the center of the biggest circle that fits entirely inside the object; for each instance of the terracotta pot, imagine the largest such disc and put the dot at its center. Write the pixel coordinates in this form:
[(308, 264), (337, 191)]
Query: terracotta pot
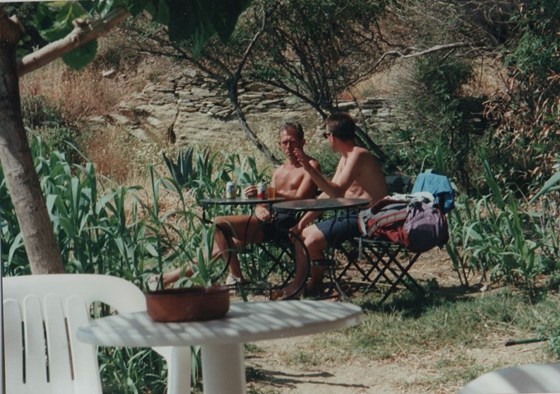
[(188, 304)]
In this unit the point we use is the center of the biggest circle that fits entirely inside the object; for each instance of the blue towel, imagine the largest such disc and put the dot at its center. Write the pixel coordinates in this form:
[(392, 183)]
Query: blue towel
[(439, 186)]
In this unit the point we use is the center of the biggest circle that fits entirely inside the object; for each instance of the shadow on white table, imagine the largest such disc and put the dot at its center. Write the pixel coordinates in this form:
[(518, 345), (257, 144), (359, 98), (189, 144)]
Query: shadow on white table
[(222, 340)]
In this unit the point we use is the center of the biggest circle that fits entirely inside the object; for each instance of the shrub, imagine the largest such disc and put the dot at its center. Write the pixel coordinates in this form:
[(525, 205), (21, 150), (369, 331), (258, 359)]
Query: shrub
[(438, 119), (527, 114), (503, 238), (47, 121)]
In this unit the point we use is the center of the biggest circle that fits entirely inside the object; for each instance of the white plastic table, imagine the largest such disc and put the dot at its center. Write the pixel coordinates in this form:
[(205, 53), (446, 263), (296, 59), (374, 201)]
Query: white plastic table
[(222, 340)]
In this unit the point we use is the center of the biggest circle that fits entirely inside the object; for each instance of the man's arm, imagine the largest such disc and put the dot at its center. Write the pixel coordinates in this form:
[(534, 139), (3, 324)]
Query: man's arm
[(342, 179), (307, 188)]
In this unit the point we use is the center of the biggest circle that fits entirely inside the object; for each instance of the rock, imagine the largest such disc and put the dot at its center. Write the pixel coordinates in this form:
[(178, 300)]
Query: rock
[(97, 119), (346, 105), (270, 103), (196, 91), (119, 119), (161, 98), (108, 73), (140, 134), (153, 121)]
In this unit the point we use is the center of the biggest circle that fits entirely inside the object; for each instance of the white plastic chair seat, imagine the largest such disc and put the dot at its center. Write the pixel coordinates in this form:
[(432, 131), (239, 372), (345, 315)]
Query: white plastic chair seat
[(528, 378), (41, 316)]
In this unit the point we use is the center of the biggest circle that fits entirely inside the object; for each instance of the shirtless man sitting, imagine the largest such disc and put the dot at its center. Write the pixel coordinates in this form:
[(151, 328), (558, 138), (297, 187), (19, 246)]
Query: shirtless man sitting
[(358, 175), (291, 181)]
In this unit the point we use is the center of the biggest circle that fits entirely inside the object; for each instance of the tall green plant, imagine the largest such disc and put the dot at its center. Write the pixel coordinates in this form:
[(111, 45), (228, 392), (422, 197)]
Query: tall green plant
[(499, 236)]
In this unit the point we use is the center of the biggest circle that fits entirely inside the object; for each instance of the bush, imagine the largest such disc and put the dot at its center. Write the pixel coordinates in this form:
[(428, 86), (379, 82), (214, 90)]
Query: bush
[(438, 120), (503, 238), (46, 120), (527, 114)]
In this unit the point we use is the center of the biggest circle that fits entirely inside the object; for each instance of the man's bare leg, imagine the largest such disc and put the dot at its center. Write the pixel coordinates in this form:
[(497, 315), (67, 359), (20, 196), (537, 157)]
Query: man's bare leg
[(174, 275), (233, 232)]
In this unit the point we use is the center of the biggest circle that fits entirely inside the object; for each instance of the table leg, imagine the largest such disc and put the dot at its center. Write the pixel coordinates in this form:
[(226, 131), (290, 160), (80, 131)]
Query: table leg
[(179, 376), (223, 369)]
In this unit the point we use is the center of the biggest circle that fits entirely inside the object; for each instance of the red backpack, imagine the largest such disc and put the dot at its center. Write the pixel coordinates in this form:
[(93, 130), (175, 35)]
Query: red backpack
[(409, 220)]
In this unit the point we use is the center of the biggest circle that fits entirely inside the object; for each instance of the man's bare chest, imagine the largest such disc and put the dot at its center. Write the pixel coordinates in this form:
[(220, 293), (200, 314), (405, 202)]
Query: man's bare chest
[(289, 179)]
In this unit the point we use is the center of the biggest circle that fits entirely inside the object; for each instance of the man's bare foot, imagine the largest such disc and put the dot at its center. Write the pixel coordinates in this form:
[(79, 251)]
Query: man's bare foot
[(168, 278), (233, 280)]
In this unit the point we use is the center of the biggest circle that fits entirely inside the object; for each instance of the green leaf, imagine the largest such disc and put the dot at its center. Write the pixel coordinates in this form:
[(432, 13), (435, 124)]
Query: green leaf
[(548, 186), (81, 56), (54, 20), (150, 248), (16, 244)]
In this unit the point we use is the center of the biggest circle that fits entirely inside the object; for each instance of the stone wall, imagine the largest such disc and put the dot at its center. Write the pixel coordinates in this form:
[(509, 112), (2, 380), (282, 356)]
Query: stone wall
[(190, 109)]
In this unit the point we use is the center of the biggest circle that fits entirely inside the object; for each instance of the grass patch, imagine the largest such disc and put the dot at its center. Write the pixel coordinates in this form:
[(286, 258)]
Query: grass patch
[(440, 323), (444, 342)]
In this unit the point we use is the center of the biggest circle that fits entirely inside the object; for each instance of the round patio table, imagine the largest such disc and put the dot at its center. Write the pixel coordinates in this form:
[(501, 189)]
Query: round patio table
[(206, 202), (221, 340), (321, 204)]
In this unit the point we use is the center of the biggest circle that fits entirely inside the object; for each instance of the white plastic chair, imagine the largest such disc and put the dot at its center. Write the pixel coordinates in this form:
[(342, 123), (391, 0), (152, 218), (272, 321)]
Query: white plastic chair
[(528, 378), (41, 316)]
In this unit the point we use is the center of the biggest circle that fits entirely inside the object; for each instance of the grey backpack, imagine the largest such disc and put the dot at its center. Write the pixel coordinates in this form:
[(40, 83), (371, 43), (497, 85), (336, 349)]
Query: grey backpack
[(425, 227)]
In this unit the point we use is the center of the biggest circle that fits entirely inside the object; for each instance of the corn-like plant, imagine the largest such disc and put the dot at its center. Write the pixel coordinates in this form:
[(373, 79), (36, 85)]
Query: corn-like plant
[(497, 236), (115, 231), (181, 171), (458, 236)]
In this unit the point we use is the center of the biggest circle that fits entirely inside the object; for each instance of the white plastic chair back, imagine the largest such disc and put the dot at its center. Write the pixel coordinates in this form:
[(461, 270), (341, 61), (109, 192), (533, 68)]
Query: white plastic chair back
[(528, 378), (41, 316)]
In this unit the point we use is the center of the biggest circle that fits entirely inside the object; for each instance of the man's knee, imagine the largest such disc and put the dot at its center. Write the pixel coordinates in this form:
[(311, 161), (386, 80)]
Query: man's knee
[(314, 239)]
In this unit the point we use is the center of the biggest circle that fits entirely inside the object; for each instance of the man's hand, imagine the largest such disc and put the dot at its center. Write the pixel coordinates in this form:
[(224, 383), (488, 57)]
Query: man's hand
[(262, 213), (250, 191), (302, 158), (298, 228)]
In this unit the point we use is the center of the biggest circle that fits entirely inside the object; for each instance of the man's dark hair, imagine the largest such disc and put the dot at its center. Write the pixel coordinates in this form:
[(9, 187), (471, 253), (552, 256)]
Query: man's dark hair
[(295, 126), (341, 125)]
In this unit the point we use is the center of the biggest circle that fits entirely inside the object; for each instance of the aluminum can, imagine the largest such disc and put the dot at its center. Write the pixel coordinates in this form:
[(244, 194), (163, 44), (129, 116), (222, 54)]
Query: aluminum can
[(261, 190), (230, 190)]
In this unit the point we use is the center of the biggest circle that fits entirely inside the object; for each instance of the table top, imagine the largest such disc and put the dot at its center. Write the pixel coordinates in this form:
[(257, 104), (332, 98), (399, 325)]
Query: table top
[(321, 204), (238, 201), (245, 322)]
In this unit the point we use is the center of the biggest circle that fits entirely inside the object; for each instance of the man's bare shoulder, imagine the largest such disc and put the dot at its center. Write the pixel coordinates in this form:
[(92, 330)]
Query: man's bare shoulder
[(361, 155)]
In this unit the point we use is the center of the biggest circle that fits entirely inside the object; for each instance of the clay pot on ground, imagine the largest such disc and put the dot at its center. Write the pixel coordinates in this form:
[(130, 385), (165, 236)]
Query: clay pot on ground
[(188, 304)]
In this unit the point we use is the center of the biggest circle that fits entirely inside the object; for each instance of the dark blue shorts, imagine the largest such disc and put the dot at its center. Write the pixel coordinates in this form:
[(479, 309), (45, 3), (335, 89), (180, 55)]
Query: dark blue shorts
[(279, 227), (340, 229)]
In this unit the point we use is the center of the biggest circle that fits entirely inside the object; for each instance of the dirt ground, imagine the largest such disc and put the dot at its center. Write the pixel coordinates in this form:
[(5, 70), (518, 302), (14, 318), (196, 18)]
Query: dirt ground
[(399, 374), (360, 375)]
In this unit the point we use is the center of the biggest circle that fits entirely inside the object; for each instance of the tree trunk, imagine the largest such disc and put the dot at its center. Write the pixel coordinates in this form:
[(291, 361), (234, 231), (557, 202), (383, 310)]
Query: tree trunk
[(17, 163), (232, 93)]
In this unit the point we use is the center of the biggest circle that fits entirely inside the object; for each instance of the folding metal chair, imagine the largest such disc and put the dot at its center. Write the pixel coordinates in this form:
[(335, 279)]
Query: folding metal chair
[(390, 263), (373, 264)]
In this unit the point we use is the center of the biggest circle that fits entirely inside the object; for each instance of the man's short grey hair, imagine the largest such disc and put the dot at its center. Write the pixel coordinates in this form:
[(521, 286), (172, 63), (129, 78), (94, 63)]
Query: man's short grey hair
[(295, 126)]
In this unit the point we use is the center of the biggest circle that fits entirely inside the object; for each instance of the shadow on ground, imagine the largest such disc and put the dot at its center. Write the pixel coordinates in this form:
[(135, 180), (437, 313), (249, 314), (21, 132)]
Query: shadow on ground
[(292, 380)]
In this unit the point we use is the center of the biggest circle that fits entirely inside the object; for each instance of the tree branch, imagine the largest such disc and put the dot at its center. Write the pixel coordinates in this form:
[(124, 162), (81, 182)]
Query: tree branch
[(407, 55), (82, 33)]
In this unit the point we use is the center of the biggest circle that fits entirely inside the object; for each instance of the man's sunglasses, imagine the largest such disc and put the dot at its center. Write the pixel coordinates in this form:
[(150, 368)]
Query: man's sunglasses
[(326, 135)]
